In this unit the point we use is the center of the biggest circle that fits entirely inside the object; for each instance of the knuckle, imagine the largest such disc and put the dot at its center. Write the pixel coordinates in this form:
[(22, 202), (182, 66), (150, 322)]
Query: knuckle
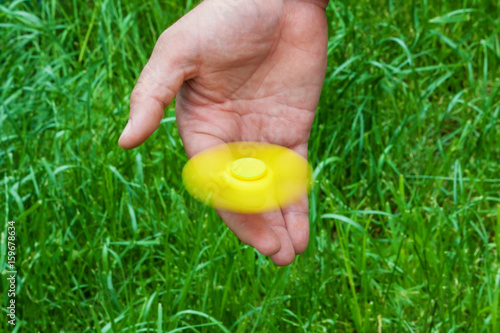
[(136, 93)]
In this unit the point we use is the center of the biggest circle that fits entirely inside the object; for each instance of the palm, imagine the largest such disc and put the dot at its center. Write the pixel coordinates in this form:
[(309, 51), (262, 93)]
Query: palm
[(256, 76), (262, 84)]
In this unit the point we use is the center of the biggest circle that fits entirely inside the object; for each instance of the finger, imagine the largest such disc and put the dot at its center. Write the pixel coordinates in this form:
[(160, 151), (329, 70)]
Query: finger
[(251, 229), (297, 223), (286, 255), (265, 232), (297, 215), (171, 63)]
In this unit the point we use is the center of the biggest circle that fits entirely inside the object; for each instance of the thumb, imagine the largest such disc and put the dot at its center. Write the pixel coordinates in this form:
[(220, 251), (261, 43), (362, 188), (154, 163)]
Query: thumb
[(171, 63)]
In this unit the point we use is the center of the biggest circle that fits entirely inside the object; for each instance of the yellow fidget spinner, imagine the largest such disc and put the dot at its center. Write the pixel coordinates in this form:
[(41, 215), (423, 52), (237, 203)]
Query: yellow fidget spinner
[(247, 177)]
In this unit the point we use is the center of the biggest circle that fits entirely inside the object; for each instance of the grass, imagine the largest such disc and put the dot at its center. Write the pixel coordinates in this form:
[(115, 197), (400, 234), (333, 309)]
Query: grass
[(405, 212)]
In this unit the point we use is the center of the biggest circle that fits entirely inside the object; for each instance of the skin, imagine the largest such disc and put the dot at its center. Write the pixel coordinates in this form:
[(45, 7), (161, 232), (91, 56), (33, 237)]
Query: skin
[(246, 70)]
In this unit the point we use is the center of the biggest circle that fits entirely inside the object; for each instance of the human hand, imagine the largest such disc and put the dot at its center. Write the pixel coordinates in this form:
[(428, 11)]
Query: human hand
[(247, 70)]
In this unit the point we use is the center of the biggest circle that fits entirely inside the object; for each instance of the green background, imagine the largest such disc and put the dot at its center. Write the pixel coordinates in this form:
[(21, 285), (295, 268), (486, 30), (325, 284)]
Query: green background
[(405, 211)]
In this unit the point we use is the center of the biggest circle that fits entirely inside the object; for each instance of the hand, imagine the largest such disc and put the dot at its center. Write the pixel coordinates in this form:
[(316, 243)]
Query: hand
[(247, 70)]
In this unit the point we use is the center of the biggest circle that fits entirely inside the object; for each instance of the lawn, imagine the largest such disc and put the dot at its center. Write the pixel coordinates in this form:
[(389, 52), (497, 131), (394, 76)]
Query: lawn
[(405, 210)]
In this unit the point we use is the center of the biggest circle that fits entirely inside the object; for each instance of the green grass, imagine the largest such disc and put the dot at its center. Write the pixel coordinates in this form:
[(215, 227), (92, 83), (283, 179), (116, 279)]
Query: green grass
[(405, 212)]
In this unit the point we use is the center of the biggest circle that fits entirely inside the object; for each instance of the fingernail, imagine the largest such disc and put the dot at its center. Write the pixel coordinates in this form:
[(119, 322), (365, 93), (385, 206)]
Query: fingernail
[(127, 128)]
